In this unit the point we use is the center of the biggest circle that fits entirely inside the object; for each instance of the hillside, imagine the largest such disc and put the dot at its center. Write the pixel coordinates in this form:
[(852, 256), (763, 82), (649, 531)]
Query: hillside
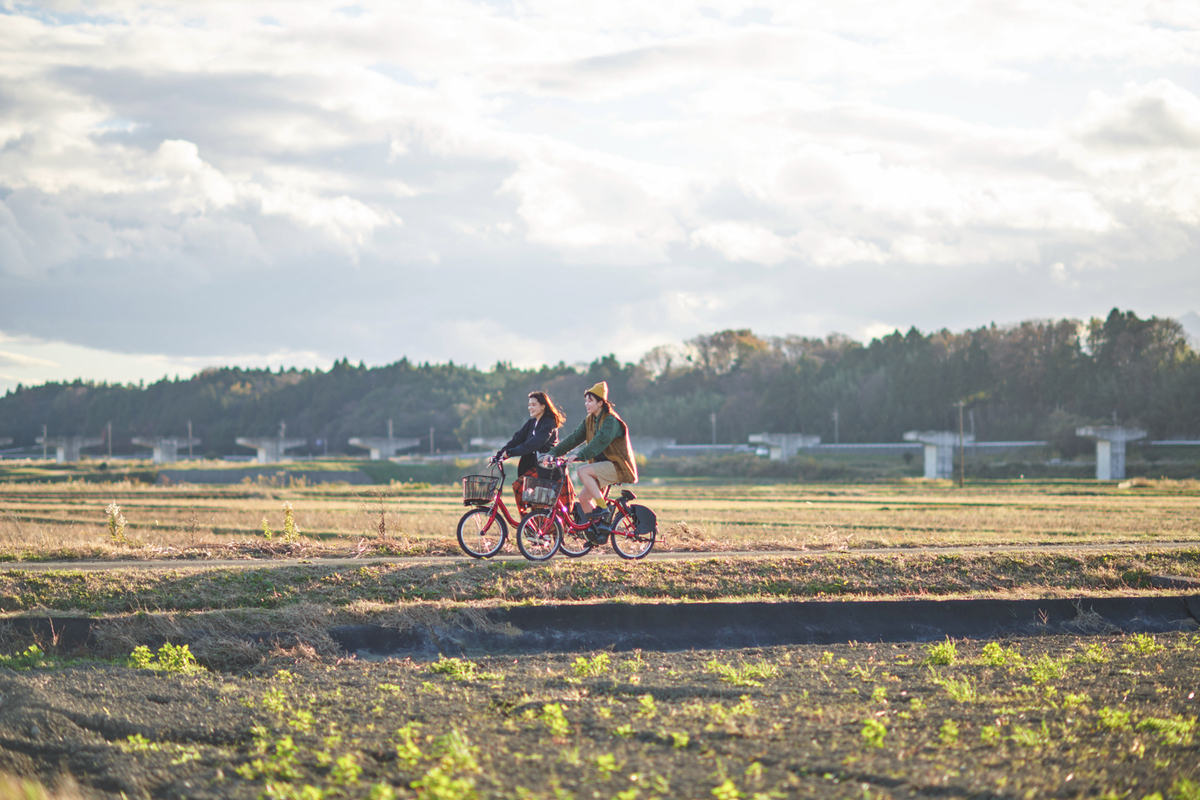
[(1035, 380)]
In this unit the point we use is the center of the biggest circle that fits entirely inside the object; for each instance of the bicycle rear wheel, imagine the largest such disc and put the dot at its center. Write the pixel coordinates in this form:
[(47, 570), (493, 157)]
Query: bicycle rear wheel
[(474, 539), (539, 535), (627, 543)]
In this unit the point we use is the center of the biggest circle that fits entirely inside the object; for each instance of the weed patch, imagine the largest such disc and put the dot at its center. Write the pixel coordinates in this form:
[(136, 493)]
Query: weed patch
[(169, 658), (550, 726), (743, 674)]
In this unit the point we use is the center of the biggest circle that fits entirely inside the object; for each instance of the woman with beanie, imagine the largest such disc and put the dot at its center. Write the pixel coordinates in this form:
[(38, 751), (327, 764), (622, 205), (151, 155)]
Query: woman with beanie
[(606, 448), (537, 435)]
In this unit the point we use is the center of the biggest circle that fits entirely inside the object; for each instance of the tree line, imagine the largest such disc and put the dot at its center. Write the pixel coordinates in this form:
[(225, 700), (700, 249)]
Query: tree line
[(1034, 380)]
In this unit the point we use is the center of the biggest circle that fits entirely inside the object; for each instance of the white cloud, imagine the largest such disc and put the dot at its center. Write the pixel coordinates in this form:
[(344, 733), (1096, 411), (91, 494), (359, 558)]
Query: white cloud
[(284, 177), (740, 242), (1144, 117), (21, 360)]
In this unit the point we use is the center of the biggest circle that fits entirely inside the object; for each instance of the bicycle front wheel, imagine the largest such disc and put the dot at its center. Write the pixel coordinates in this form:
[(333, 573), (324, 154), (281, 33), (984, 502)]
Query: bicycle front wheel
[(539, 535), (476, 537), (627, 543)]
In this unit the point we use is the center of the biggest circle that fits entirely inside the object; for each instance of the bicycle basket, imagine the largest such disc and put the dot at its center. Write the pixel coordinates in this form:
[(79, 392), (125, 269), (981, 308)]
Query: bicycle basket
[(478, 489), (539, 492)]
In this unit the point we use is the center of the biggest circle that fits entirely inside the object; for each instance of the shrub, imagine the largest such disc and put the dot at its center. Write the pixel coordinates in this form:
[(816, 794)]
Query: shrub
[(459, 669), (942, 653), (994, 655), (30, 658), (1113, 719), (555, 719), (585, 668), (745, 675), (1176, 730), (1141, 644), (291, 531), (1047, 669), (116, 523), (873, 732), (168, 659), (961, 689)]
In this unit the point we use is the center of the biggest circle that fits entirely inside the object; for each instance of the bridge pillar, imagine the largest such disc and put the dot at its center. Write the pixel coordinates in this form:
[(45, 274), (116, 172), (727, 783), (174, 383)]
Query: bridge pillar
[(166, 449), (66, 448), (783, 446), (270, 448), (383, 447), (939, 450), (1110, 448)]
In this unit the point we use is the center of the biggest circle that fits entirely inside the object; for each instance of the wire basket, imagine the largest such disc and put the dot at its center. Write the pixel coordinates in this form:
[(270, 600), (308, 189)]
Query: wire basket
[(539, 492), (478, 489)]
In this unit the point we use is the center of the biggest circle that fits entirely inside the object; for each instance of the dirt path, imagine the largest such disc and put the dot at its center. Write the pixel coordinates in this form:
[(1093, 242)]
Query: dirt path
[(603, 555)]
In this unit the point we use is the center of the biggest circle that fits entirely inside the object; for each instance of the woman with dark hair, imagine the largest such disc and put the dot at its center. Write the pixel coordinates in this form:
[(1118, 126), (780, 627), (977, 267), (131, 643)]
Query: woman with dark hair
[(607, 449), (537, 435)]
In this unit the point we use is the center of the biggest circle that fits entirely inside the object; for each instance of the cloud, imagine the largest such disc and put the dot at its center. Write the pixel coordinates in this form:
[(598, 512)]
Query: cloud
[(19, 360), (270, 177), (1144, 117)]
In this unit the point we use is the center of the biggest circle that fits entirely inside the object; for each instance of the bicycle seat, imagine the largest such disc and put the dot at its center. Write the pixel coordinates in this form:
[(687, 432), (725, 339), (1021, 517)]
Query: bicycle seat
[(628, 495)]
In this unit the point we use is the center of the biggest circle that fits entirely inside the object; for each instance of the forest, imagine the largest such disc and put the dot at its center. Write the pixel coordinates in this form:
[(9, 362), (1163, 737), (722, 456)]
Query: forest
[(1033, 380)]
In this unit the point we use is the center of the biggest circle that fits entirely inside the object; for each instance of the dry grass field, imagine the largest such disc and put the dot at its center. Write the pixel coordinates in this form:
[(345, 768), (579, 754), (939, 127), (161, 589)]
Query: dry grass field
[(1101, 716), (69, 519)]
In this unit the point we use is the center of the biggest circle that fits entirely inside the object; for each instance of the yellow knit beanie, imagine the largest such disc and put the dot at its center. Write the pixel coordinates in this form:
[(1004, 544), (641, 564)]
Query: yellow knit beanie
[(600, 390)]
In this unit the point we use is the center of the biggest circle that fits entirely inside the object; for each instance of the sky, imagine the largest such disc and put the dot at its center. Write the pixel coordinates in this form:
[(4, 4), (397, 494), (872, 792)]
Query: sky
[(248, 183)]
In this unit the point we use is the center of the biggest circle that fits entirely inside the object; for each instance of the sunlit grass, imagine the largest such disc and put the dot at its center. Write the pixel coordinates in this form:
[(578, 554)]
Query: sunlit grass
[(693, 515)]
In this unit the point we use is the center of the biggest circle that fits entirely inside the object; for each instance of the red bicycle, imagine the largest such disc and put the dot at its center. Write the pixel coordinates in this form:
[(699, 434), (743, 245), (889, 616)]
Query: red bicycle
[(545, 531), (483, 530)]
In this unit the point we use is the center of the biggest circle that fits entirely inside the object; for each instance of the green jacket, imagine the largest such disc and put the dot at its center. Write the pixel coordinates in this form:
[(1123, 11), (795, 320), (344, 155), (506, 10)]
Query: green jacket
[(607, 440), (610, 429)]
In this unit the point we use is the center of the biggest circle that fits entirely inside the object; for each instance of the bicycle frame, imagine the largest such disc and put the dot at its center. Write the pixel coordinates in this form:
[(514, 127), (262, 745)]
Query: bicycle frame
[(561, 513), (497, 504)]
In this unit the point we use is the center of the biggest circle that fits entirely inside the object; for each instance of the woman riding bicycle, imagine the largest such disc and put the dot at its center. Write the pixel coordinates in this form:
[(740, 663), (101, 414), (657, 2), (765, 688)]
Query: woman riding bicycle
[(537, 435), (607, 450)]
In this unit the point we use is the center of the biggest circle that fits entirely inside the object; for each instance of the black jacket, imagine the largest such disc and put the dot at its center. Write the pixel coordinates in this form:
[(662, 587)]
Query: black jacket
[(535, 436)]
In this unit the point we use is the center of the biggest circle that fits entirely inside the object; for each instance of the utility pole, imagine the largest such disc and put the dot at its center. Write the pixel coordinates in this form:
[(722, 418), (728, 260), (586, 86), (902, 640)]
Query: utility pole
[(713, 417), (835, 425), (43, 441), (430, 440), (189, 439), (108, 436), (962, 463)]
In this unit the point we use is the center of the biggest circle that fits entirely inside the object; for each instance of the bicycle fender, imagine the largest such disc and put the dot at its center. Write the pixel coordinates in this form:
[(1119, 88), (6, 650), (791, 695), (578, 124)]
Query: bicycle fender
[(646, 520)]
